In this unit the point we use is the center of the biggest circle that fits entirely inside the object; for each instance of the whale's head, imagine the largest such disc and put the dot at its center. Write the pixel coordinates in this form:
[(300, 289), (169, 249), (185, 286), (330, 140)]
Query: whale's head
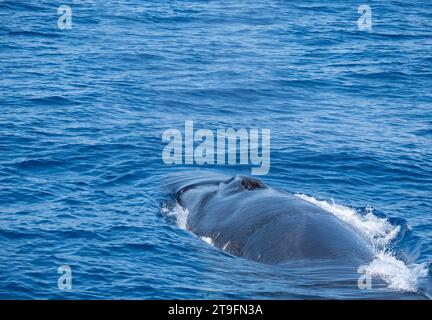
[(202, 189), (196, 191)]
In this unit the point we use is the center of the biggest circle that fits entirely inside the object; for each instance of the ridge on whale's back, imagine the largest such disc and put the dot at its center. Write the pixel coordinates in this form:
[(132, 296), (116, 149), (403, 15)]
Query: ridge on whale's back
[(174, 181)]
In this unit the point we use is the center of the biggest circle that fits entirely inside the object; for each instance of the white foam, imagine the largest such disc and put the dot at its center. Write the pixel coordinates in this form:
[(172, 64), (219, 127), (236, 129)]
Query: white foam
[(207, 239), (397, 274), (179, 213), (380, 232)]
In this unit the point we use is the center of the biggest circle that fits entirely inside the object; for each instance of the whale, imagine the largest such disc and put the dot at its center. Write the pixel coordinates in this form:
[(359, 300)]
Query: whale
[(247, 218)]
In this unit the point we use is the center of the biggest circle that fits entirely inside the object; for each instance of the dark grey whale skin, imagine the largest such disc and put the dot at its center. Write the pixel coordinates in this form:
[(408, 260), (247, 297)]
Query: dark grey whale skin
[(248, 219)]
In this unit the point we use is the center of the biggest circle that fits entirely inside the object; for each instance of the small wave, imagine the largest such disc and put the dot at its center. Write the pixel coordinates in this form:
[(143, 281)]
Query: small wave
[(39, 164), (50, 100), (381, 233), (30, 33)]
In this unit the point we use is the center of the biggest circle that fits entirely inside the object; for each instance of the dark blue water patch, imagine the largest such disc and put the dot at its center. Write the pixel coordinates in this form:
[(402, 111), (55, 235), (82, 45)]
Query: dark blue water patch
[(14, 6), (50, 101), (39, 164), (33, 34)]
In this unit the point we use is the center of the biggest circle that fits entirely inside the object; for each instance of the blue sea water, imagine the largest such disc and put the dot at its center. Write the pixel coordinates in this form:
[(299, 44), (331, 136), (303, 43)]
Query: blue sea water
[(83, 112)]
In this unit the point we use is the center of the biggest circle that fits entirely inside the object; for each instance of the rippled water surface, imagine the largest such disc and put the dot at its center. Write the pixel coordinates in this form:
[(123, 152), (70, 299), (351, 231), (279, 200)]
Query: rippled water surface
[(83, 112)]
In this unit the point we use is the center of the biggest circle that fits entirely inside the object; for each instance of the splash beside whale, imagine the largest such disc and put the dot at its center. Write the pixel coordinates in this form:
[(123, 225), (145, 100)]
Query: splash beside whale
[(249, 219)]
